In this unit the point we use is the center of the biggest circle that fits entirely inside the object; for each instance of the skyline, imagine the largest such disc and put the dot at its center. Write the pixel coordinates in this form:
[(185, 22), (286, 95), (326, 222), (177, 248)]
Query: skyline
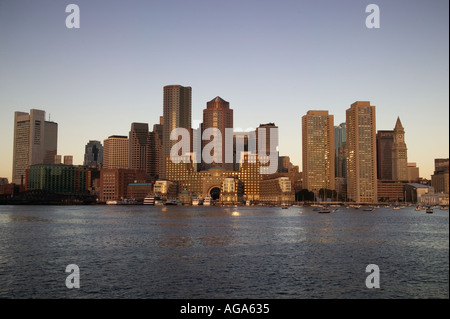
[(291, 57)]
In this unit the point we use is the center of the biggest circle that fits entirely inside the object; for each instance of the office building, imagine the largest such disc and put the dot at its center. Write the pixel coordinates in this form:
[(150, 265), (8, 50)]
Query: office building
[(176, 113), (93, 154), (439, 180), (114, 182), (139, 151), (361, 153), (385, 141), (340, 159), (318, 154), (217, 116), (35, 142), (115, 152)]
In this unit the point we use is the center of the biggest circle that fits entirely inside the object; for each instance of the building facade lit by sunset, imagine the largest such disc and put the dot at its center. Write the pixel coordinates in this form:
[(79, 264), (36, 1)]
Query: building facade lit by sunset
[(361, 156), (318, 151), (115, 152)]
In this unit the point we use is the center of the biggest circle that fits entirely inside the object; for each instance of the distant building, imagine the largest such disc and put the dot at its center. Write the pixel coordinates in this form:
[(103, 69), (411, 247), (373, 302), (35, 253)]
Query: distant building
[(277, 191), (361, 150), (177, 104), (399, 154), (35, 142), (439, 180), (340, 146), (59, 178), (115, 152), (413, 173), (114, 182), (391, 191), (93, 154), (139, 152), (139, 191), (217, 116), (318, 151), (385, 141), (415, 192)]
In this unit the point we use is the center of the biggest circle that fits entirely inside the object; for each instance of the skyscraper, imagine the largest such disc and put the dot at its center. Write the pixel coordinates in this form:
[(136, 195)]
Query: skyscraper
[(361, 149), (115, 152), (139, 147), (318, 151), (35, 142), (176, 113), (93, 154), (340, 138), (385, 141), (217, 115), (399, 154)]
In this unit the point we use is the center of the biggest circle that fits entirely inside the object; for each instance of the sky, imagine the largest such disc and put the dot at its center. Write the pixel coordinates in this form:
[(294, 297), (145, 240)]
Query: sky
[(272, 60)]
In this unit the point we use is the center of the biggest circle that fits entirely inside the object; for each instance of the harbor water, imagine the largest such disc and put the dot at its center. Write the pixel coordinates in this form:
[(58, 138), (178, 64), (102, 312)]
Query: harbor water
[(162, 252)]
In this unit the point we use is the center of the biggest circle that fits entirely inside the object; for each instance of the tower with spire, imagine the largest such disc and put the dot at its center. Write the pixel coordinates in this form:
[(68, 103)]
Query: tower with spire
[(399, 154)]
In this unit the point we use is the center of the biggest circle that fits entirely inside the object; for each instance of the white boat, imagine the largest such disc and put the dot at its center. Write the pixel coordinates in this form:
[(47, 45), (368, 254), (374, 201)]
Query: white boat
[(207, 201), (152, 200), (111, 202)]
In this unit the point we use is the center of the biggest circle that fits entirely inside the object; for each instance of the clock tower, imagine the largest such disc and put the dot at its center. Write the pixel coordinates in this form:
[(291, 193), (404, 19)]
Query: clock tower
[(399, 154)]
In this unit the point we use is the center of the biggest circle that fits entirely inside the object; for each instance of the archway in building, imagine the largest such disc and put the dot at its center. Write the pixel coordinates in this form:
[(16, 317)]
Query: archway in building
[(214, 193)]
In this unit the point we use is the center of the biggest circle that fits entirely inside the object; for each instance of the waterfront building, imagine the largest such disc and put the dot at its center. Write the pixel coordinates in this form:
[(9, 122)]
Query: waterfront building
[(318, 151), (93, 154), (177, 114), (138, 191), (167, 190), (114, 182), (361, 153), (391, 191), (276, 191), (218, 116), (35, 142), (115, 152), (59, 178), (232, 191), (415, 191), (439, 180), (399, 154)]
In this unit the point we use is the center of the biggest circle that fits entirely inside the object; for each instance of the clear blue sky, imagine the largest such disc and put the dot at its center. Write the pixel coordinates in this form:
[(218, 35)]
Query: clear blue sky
[(272, 60)]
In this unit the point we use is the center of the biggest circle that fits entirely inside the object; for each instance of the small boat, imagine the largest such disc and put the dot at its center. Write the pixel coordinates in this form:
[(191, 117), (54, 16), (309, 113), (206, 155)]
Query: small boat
[(172, 202), (152, 200), (444, 208), (324, 210), (396, 207), (284, 206), (111, 202), (368, 209), (207, 201), (429, 210)]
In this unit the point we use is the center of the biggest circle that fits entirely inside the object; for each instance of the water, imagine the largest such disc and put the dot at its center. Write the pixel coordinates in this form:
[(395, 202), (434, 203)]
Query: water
[(218, 252)]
